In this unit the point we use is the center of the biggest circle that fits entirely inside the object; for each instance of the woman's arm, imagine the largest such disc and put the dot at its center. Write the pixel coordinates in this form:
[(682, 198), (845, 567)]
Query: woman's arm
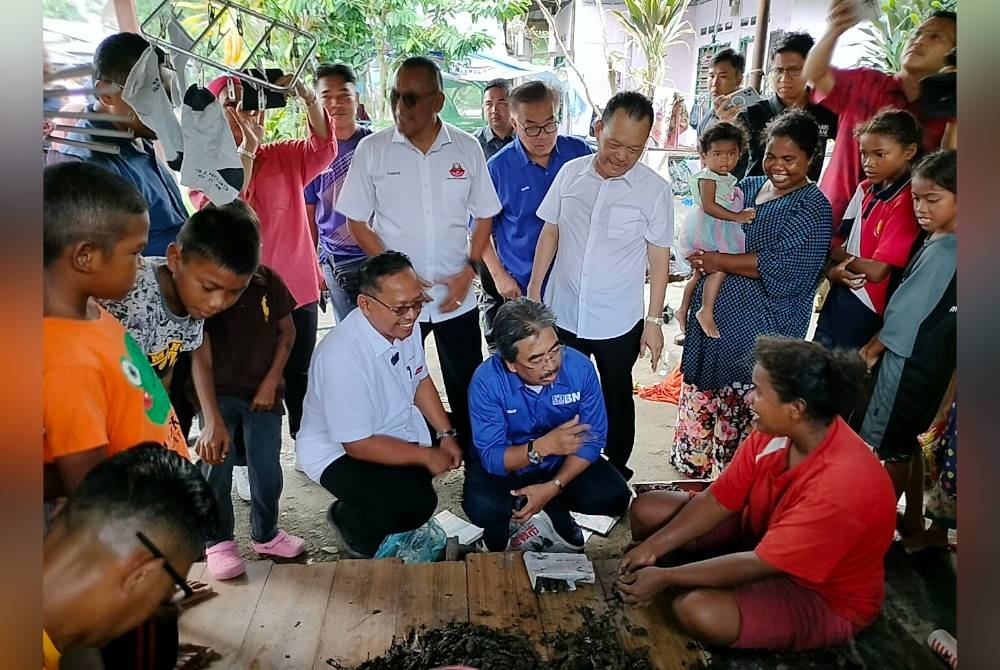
[(707, 262)]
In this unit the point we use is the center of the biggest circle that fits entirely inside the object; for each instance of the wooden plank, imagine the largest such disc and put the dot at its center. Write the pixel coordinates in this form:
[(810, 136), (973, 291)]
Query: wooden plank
[(360, 619), (431, 595), (284, 631), (653, 627), (221, 622), (500, 595), (561, 611)]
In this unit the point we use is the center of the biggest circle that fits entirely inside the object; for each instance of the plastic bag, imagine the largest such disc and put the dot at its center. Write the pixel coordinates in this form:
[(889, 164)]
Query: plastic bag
[(423, 545)]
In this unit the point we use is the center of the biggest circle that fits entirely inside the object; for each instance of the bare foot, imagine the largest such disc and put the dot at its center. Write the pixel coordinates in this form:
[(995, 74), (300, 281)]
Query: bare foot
[(707, 322)]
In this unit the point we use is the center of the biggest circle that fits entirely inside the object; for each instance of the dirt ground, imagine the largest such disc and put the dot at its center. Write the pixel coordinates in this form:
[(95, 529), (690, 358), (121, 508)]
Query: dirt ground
[(304, 503)]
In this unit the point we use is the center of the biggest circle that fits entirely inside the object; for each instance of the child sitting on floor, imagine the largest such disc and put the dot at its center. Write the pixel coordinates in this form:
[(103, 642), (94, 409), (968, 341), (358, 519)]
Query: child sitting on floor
[(709, 226)]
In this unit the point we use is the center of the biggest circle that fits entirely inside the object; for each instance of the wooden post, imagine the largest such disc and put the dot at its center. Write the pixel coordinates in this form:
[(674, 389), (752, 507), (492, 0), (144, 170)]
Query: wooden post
[(128, 18), (760, 43)]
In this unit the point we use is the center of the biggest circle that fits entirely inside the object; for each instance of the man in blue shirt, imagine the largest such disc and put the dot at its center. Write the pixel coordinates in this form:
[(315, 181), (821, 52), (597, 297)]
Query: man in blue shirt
[(522, 173), (538, 429)]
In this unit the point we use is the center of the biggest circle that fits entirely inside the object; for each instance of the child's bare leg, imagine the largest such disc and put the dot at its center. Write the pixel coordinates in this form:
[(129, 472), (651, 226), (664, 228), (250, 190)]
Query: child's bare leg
[(682, 311), (706, 315)]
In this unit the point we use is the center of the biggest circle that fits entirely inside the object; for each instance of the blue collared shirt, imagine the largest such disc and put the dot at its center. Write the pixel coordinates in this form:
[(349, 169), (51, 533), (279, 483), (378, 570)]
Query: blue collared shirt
[(521, 185), (504, 411), (145, 170)]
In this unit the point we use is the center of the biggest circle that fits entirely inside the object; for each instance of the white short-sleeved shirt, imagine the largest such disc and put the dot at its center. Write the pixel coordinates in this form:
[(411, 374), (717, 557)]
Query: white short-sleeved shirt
[(422, 202), (597, 280), (360, 385)]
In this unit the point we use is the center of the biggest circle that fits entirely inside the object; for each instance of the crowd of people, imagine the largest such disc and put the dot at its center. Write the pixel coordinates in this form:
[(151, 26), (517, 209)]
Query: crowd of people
[(524, 237)]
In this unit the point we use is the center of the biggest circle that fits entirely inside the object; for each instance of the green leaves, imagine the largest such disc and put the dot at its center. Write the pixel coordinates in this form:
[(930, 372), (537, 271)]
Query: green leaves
[(653, 26), (888, 36)]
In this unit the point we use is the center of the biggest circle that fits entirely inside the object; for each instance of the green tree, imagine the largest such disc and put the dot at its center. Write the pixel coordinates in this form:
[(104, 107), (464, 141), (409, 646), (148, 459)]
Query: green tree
[(654, 26), (888, 36), (67, 10)]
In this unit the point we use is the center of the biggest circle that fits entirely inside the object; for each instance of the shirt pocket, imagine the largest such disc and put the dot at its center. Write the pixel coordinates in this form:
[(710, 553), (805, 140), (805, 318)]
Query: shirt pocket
[(625, 222)]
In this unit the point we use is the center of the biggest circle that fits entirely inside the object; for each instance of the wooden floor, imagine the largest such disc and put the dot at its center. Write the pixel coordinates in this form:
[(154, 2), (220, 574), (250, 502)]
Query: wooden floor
[(299, 616)]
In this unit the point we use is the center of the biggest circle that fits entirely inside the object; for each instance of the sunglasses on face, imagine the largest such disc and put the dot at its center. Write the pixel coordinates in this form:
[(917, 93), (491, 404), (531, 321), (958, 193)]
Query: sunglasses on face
[(409, 99), (155, 551)]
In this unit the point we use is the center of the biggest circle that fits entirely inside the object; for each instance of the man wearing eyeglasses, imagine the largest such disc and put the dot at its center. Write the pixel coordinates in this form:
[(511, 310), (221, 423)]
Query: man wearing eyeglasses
[(364, 434), (498, 131), (539, 427), (522, 174), (422, 180)]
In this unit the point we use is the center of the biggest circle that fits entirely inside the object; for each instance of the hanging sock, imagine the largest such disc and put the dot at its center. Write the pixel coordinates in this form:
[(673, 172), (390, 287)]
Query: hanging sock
[(211, 163), (179, 37), (145, 92)]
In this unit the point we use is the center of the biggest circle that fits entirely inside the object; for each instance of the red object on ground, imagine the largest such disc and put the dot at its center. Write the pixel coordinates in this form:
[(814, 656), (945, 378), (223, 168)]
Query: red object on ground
[(668, 390)]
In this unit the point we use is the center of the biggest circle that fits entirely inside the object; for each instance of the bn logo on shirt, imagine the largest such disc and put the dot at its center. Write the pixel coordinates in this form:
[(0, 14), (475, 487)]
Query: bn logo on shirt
[(566, 398)]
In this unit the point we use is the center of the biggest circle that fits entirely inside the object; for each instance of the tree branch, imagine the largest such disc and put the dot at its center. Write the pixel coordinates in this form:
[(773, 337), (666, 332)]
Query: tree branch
[(562, 47)]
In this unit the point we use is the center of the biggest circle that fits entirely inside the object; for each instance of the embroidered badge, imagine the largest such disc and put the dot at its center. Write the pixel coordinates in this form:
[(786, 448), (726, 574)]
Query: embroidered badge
[(457, 170), (265, 310)]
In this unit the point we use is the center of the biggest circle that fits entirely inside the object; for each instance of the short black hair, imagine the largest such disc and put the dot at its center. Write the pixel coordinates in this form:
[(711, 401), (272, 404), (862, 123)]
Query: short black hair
[(898, 124), (799, 43), (502, 84), (381, 265), (729, 56), (117, 54), (635, 104), (721, 131), (428, 66), (533, 91), (797, 125), (944, 14), (940, 167), (345, 72), (83, 202), (225, 236), (240, 208), (150, 489), (827, 380), (517, 319)]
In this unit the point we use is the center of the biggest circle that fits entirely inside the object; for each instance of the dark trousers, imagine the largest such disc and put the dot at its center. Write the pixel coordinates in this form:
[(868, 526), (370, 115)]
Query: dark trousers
[(377, 500), (459, 347), (615, 358), (151, 646), (262, 439), (487, 501), (179, 392), (489, 303), (306, 319)]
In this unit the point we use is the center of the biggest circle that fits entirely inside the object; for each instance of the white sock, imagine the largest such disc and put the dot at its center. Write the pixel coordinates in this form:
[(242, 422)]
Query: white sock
[(179, 37), (211, 164), (146, 94)]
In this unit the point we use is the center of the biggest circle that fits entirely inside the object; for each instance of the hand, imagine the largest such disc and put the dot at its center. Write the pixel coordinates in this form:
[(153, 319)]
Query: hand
[(507, 285), (652, 340), (322, 282), (563, 440), (213, 443), (450, 445), (841, 275), (638, 557), (534, 292), (300, 90), (438, 460), (871, 353), (640, 587), (705, 262), (724, 109), (250, 125), (263, 399), (746, 216), (538, 496), (842, 16), (458, 287)]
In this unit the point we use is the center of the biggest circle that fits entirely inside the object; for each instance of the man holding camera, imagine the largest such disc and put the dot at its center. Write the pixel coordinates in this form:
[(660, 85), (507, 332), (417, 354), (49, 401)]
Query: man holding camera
[(724, 79)]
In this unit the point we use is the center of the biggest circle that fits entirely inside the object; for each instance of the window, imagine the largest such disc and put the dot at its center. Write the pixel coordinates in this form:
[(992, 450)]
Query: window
[(753, 20), (704, 63), (745, 21), (704, 30), (711, 30), (744, 43), (729, 25)]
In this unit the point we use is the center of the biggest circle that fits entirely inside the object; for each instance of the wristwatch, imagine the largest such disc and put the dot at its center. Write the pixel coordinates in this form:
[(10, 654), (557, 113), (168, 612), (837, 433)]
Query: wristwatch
[(451, 432), (533, 456), (658, 320)]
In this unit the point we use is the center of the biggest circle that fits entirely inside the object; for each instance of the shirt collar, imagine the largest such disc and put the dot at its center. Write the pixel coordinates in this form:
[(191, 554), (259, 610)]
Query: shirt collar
[(628, 177), (375, 339), (516, 382), (523, 155), (889, 191), (443, 137)]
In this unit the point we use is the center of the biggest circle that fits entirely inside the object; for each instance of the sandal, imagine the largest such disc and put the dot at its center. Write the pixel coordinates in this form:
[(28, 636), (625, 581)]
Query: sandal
[(945, 646), (283, 546), (223, 561)]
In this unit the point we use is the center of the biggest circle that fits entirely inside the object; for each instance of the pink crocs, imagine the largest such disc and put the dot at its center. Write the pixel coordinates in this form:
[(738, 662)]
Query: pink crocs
[(283, 546), (224, 561)]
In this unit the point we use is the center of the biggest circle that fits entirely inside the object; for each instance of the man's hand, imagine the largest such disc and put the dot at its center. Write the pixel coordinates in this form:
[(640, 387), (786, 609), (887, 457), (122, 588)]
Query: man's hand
[(724, 109), (872, 352), (705, 262), (301, 90), (438, 460), (263, 399), (450, 446), (841, 275), (652, 340), (640, 587), (458, 287), (639, 556), (563, 440), (213, 443), (250, 125), (842, 16), (507, 285), (538, 496), (746, 216)]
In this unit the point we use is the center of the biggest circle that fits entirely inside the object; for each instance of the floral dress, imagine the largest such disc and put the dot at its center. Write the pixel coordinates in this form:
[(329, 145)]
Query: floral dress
[(941, 501), (791, 237)]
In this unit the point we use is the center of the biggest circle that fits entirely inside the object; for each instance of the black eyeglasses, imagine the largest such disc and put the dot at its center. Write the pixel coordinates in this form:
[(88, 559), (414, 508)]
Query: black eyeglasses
[(155, 551), (791, 72), (535, 131), (401, 311), (409, 99)]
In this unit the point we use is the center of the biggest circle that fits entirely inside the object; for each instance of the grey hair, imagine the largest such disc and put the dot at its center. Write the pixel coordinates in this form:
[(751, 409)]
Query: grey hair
[(519, 319)]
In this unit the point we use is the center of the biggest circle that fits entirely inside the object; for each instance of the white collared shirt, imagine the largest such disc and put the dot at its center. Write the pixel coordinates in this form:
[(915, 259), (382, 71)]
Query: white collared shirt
[(422, 202), (597, 280), (360, 385)]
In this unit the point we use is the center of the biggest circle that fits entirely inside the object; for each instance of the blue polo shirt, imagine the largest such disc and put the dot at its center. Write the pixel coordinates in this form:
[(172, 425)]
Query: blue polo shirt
[(143, 168), (521, 185), (504, 411)]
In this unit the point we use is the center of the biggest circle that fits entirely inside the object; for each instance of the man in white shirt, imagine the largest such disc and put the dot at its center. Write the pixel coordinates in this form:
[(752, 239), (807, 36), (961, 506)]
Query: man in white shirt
[(364, 434), (607, 216), (422, 179)]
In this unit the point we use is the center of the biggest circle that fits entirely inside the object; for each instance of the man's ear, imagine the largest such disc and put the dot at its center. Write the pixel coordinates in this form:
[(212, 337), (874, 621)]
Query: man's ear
[(137, 571), (109, 99), (439, 101), (598, 128), (510, 366)]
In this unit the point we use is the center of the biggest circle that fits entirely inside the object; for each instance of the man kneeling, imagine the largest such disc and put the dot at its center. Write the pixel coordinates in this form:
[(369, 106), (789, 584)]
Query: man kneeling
[(364, 437), (794, 531), (538, 427)]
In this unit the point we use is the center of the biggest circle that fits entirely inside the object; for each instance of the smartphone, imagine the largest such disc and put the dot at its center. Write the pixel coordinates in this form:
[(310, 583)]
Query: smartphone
[(745, 97), (938, 94), (255, 98)]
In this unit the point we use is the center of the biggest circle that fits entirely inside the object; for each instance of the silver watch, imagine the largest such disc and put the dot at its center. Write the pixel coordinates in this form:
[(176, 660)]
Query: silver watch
[(658, 320)]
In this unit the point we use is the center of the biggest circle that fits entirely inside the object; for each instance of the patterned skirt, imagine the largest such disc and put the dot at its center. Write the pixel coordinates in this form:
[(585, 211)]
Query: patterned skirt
[(710, 425)]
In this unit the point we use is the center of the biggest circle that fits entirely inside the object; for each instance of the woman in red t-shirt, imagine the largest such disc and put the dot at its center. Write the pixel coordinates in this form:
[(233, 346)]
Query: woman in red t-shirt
[(792, 534)]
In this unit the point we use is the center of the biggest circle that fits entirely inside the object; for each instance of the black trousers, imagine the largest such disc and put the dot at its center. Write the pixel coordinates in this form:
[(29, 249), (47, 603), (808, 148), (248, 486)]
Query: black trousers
[(459, 347), (489, 303), (306, 320), (615, 358), (181, 383), (377, 500)]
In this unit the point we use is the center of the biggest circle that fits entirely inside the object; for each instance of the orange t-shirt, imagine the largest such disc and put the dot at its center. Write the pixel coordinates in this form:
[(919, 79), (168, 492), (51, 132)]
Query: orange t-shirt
[(98, 389)]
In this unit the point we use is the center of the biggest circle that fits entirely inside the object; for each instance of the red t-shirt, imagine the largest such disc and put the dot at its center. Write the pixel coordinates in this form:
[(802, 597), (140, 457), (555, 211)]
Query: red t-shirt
[(856, 96), (826, 523)]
